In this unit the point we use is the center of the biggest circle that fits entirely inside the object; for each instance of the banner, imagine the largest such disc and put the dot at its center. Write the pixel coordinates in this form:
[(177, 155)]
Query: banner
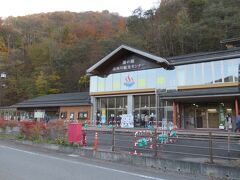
[(127, 121), (103, 116)]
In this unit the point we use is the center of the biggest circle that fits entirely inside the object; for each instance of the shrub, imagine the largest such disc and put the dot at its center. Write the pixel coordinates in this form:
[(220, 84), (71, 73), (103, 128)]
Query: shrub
[(3, 124), (12, 124), (32, 130), (56, 129)]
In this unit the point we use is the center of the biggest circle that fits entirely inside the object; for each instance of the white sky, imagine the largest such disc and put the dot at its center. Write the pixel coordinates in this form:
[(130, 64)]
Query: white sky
[(25, 7)]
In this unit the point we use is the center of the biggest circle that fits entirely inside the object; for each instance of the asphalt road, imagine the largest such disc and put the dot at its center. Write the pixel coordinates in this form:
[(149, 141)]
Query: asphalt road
[(22, 162)]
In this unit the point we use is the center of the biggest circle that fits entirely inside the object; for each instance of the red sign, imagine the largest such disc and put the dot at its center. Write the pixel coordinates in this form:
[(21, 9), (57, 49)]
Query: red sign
[(75, 132)]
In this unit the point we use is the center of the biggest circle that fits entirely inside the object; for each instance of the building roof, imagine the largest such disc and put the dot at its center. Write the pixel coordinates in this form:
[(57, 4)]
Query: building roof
[(57, 100), (205, 57), (210, 92), (169, 62), (120, 51)]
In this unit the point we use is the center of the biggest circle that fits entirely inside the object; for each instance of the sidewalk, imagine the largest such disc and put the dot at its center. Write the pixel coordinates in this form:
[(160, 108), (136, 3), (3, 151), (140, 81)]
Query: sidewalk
[(182, 132)]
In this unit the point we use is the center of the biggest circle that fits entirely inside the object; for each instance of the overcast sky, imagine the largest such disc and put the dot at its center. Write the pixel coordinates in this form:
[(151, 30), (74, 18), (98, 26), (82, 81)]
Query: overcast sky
[(25, 7)]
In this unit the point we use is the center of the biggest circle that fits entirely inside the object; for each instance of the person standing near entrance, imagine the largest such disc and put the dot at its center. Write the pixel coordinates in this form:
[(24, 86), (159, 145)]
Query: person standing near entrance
[(146, 119)]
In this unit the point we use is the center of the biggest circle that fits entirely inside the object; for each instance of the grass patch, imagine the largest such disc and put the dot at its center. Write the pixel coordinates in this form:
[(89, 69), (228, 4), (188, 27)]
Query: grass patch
[(2, 135)]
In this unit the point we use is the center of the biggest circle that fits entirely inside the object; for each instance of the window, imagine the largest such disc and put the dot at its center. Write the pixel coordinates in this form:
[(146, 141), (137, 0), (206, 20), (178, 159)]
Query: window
[(228, 68), (111, 108), (144, 106), (136, 101), (144, 101), (166, 110), (111, 102), (217, 71), (119, 103), (152, 101), (63, 115), (236, 63), (103, 102), (190, 78), (198, 76), (208, 73), (82, 115), (181, 76), (71, 116), (171, 79)]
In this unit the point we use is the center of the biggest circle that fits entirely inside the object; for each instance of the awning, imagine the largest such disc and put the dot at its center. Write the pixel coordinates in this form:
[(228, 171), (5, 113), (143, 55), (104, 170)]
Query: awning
[(201, 93)]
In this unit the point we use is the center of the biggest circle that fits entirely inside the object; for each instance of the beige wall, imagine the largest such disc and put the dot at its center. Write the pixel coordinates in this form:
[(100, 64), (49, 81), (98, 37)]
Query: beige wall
[(76, 110)]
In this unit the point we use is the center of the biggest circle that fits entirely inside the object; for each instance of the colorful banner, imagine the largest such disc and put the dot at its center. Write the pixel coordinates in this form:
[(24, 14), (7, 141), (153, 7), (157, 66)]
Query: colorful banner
[(103, 116)]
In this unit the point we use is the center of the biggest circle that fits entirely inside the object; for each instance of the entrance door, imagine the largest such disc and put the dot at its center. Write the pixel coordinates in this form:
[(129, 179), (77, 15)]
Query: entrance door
[(213, 118), (199, 118)]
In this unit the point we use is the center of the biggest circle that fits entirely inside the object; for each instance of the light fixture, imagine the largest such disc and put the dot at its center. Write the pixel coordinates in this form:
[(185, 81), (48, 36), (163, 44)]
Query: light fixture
[(212, 110)]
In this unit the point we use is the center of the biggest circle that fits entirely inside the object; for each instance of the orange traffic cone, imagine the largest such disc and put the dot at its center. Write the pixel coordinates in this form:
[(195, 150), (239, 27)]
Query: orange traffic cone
[(95, 143)]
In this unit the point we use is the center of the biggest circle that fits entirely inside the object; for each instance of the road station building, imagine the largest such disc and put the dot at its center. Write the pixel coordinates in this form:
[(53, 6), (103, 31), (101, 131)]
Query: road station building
[(191, 91), (66, 106)]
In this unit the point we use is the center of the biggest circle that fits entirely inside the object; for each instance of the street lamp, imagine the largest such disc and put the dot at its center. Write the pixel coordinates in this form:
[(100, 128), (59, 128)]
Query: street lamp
[(3, 76)]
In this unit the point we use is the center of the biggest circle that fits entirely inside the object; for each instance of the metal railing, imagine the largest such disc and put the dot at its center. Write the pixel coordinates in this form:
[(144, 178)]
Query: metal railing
[(207, 146)]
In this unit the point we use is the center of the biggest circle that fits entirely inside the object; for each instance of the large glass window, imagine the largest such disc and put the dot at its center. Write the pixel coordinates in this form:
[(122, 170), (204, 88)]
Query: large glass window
[(191, 74), (144, 110), (110, 109), (181, 76), (198, 77), (111, 102), (165, 111), (103, 103), (144, 101), (236, 63), (228, 67), (217, 71), (171, 79), (161, 78), (208, 73), (93, 84)]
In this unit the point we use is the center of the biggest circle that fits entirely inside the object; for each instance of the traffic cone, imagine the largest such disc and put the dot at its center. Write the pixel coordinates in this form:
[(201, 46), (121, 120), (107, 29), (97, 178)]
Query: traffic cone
[(95, 143)]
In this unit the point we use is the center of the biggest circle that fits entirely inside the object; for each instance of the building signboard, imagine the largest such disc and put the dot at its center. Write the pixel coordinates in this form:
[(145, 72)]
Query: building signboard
[(132, 63), (39, 114)]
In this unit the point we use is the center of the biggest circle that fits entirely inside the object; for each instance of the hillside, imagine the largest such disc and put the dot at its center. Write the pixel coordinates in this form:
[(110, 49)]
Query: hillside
[(50, 52)]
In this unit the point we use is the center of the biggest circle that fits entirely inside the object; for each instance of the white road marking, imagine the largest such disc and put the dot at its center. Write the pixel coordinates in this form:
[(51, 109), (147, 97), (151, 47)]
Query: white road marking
[(83, 164), (73, 155)]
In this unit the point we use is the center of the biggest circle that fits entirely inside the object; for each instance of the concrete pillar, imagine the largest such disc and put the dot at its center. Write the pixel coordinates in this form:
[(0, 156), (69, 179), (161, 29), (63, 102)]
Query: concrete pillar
[(182, 117), (178, 117), (174, 113), (236, 106), (93, 111), (130, 104)]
